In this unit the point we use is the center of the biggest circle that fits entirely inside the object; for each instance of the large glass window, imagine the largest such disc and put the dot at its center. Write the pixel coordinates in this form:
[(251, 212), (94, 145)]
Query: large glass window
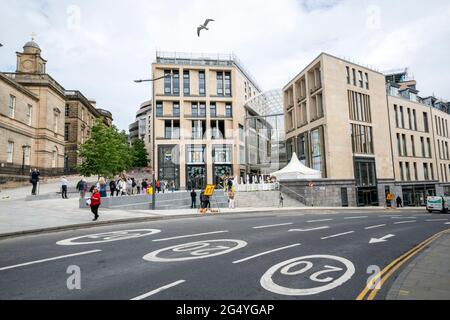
[(362, 140), (365, 175), (159, 109), (222, 154), (198, 129), (213, 110), (425, 122), (176, 82), (196, 154), (228, 110), (167, 82), (186, 83), (303, 148), (202, 110), (202, 83), (228, 84), (220, 83), (317, 149), (176, 109)]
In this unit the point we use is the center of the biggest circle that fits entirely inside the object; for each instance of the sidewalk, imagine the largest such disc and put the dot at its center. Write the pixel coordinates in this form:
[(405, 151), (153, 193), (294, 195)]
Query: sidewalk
[(427, 277)]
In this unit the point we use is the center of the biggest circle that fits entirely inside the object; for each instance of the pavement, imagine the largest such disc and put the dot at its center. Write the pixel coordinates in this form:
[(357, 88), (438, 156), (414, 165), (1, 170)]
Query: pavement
[(273, 255)]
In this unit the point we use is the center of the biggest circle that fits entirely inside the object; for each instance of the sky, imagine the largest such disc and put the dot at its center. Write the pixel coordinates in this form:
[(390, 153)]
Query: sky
[(100, 46)]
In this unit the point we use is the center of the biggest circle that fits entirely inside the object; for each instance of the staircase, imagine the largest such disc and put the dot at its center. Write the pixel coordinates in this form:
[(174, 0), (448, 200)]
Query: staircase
[(260, 199)]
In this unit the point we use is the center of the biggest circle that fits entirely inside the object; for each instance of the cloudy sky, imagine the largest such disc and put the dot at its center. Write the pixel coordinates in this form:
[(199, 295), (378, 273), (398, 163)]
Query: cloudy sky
[(100, 46)]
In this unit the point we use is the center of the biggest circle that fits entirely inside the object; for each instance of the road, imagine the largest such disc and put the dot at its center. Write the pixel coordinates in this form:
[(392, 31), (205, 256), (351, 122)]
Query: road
[(243, 256)]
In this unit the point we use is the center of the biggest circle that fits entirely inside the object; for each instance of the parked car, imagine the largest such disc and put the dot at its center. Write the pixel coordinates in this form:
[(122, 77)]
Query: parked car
[(440, 204)]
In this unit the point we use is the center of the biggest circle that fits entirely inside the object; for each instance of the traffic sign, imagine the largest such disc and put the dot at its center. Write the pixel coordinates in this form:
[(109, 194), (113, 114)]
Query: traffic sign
[(209, 191)]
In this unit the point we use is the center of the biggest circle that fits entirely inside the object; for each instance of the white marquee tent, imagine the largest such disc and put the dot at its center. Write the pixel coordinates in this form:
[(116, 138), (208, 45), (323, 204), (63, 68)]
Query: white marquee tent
[(296, 170)]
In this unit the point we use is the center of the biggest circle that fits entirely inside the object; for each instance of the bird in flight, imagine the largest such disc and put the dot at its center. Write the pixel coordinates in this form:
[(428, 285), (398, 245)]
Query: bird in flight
[(203, 26)]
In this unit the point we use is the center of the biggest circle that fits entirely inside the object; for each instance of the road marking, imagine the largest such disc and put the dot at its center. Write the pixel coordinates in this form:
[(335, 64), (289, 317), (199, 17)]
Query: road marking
[(306, 230), (321, 220), (191, 235), (266, 252), (49, 259), (433, 220), (389, 216), (337, 235), (151, 293), (273, 225), (377, 226), (387, 272), (383, 239), (402, 222), (108, 237), (403, 217), (361, 217), (447, 223)]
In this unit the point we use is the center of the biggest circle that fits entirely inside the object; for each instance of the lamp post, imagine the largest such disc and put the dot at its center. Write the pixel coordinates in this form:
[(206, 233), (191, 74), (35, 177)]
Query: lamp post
[(24, 147), (153, 140)]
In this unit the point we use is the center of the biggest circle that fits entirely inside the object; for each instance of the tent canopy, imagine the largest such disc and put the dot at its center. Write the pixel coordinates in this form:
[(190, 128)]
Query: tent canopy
[(296, 170)]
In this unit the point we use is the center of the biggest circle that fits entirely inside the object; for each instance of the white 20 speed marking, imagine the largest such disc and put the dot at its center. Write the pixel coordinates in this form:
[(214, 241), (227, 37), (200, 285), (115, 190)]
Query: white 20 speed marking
[(305, 264), (195, 250), (108, 237)]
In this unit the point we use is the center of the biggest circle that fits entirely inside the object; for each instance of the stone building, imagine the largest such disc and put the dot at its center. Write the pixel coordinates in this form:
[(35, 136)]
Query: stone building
[(32, 118), (142, 128)]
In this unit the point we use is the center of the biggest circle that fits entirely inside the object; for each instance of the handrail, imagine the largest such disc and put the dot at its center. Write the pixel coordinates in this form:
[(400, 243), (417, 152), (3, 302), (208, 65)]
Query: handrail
[(303, 199)]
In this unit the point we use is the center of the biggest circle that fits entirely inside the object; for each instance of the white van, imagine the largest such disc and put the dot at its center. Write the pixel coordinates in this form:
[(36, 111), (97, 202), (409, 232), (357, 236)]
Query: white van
[(440, 204)]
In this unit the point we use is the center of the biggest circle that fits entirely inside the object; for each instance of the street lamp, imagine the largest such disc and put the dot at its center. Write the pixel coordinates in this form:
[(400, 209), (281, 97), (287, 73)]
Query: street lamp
[(153, 139), (24, 147)]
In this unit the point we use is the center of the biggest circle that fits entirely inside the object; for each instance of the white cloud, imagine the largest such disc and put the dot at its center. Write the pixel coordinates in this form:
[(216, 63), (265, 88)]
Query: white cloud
[(115, 41)]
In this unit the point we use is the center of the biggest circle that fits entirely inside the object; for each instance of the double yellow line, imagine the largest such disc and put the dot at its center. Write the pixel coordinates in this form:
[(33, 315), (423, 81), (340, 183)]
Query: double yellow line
[(377, 282)]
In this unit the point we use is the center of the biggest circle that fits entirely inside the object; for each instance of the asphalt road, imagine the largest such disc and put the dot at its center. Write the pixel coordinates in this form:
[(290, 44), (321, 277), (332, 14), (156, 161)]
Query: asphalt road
[(243, 256)]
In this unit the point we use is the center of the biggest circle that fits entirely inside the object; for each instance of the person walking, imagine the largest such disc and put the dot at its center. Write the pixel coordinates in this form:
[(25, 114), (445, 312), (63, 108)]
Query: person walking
[(95, 202), (158, 186), (172, 186), (281, 203), (64, 184), (193, 199), (163, 186), (144, 185), (230, 184), (82, 187), (138, 186), (34, 179), (231, 199), (123, 187), (101, 185), (129, 186), (399, 202), (112, 187)]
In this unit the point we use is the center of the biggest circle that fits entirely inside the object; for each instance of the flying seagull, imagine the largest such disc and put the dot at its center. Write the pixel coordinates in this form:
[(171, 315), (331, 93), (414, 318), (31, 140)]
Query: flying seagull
[(203, 26)]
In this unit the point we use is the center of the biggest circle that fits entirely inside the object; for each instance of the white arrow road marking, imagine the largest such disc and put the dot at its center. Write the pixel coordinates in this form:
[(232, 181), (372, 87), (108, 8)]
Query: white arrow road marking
[(361, 217), (383, 239), (273, 225), (151, 293), (433, 220), (49, 259), (191, 235), (267, 252), (377, 226), (402, 222), (321, 220), (306, 230), (337, 235)]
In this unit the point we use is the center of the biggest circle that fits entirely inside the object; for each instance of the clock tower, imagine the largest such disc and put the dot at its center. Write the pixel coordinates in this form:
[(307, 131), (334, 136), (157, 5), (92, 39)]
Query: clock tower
[(30, 60)]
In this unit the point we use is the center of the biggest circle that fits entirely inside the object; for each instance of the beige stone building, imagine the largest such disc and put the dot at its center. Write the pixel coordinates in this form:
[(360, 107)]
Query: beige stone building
[(33, 118), (369, 133), (198, 112)]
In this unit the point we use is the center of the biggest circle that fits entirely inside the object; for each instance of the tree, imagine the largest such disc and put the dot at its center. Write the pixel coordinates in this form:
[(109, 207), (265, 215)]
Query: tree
[(140, 154), (106, 152)]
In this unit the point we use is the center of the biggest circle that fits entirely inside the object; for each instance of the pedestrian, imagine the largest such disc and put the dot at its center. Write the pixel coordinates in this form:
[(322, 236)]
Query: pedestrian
[(399, 202), (172, 186), (158, 186), (230, 184), (231, 196), (112, 187), (101, 185), (95, 202), (82, 187), (202, 200), (193, 199), (123, 187), (64, 184), (34, 179), (281, 203), (129, 183), (133, 185), (144, 186), (163, 186), (138, 186)]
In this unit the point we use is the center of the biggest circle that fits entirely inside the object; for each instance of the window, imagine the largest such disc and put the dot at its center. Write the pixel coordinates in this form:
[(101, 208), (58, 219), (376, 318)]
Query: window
[(176, 109), (429, 147), (402, 118), (202, 83), (29, 114), (82, 114), (12, 106), (354, 76), (167, 82), (303, 148), (222, 154), (10, 152), (228, 84), (422, 144), (405, 147), (367, 81), (348, 74), (396, 116), (402, 176), (408, 173), (399, 145), (365, 172), (212, 110), (432, 171), (242, 155), (66, 132), (317, 149), (202, 110), (415, 172), (439, 149), (220, 83), (360, 107), (55, 158), (159, 109), (413, 146), (409, 119), (362, 141), (241, 133), (67, 111), (437, 126), (228, 111), (198, 129), (55, 122), (195, 154), (361, 81), (217, 129), (186, 83), (414, 120), (425, 122), (194, 109), (426, 176), (176, 83), (172, 129)]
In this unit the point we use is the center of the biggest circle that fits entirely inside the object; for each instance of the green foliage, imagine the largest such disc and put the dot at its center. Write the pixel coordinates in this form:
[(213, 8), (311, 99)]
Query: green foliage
[(106, 152), (140, 154)]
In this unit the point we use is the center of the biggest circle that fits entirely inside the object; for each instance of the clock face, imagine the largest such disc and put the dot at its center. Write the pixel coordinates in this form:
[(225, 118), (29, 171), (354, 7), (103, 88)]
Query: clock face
[(27, 64)]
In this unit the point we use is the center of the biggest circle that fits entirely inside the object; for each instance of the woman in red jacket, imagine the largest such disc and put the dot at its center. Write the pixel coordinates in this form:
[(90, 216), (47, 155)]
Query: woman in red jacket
[(95, 203)]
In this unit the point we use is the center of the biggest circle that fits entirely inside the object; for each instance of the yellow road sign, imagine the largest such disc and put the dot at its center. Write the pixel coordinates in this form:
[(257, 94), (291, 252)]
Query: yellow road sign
[(209, 191)]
